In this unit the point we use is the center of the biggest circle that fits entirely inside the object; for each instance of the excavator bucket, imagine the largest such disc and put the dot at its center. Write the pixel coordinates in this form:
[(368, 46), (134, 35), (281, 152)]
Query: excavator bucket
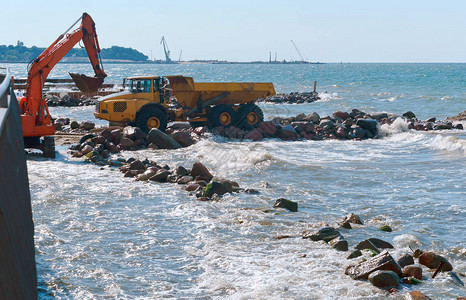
[(87, 84)]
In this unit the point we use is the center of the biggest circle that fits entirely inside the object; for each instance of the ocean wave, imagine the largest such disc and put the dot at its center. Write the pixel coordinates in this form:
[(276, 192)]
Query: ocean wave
[(327, 97), (448, 143)]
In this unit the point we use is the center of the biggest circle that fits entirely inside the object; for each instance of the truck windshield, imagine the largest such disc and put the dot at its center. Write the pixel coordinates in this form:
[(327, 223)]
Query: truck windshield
[(139, 85)]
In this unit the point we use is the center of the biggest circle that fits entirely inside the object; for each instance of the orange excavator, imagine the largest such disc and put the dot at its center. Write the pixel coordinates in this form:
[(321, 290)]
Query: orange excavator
[(35, 115)]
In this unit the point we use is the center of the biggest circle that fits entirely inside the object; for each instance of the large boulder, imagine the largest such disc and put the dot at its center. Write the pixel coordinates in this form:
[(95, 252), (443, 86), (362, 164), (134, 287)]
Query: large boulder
[(412, 271), (268, 128), (314, 118), (352, 218), (161, 140), (200, 170), (116, 136), (107, 134), (87, 125), (183, 138), (374, 244), (325, 234), (341, 115), (126, 143), (339, 244), (432, 261), (369, 125), (134, 133), (255, 135), (160, 176), (326, 124), (384, 279), (288, 204), (405, 260), (288, 133), (215, 187), (382, 261), (137, 165)]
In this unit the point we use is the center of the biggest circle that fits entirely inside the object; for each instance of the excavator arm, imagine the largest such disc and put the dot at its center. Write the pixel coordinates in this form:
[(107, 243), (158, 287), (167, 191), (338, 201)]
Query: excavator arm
[(34, 104)]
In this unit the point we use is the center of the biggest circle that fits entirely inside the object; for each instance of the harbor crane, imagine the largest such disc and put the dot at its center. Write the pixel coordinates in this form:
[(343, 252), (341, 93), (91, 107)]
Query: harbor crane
[(166, 50), (297, 50)]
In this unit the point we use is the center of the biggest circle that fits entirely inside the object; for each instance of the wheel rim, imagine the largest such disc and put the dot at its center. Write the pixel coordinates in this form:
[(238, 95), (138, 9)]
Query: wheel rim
[(224, 118), (153, 122), (252, 118)]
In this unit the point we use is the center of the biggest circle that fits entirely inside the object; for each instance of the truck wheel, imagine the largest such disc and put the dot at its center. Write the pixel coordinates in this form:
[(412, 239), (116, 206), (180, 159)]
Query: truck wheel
[(48, 145), (222, 115), (250, 116), (151, 117)]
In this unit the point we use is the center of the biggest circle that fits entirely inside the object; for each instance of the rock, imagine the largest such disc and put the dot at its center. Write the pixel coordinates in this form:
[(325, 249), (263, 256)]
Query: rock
[(116, 136), (137, 165), (134, 133), (379, 116), (146, 175), (405, 260), (300, 117), (409, 115), (74, 125), (459, 126), (369, 125), (354, 254), (340, 115), (185, 179), (447, 126), (288, 133), (357, 133), (234, 132), (432, 261), (374, 241), (385, 228), (341, 133), (268, 128), (288, 204), (416, 295), (251, 191), (384, 279), (228, 185), (382, 261), (346, 225), (160, 176), (214, 187), (255, 135), (112, 148), (412, 271), (324, 234), (366, 244), (339, 244), (314, 118), (327, 124), (192, 187), (348, 123), (181, 171), (86, 149), (162, 140), (152, 146), (183, 138), (86, 125), (352, 218), (98, 139), (199, 169), (126, 143), (107, 134)]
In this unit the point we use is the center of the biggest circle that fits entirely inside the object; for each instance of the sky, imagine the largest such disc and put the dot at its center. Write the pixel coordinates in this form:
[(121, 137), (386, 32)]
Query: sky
[(241, 30)]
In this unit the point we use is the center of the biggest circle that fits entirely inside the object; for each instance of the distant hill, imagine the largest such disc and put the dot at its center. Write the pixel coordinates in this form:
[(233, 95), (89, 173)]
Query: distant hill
[(21, 53)]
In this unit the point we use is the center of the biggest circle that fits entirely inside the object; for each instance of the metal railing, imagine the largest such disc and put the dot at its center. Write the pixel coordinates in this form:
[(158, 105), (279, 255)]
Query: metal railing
[(6, 92)]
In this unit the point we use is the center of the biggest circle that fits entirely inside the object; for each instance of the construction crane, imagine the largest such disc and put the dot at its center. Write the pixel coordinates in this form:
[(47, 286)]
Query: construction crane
[(166, 50), (297, 50)]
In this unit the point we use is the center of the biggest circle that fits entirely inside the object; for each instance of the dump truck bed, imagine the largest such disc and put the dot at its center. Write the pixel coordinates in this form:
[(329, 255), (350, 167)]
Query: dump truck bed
[(188, 92)]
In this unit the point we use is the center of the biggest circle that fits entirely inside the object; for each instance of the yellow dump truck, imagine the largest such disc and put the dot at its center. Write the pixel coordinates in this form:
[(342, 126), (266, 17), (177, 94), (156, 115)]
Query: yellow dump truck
[(152, 101)]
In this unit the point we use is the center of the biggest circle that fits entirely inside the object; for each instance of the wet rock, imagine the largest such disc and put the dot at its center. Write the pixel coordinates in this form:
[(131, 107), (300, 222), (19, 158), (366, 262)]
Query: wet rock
[(348, 123), (116, 136), (268, 128), (112, 148), (146, 175), (432, 261), (137, 165), (255, 135), (369, 125), (288, 204), (183, 138), (416, 295), (339, 244), (160, 176), (405, 260), (341, 133), (74, 125), (181, 171), (86, 149), (324, 234), (327, 124), (379, 116), (378, 243), (446, 126), (384, 279), (352, 218), (385, 228), (251, 191), (134, 133), (409, 115), (288, 133), (228, 185), (412, 271), (340, 115), (192, 187), (234, 132), (185, 179), (87, 125), (459, 126), (346, 225), (383, 261), (126, 143), (214, 187), (107, 134), (162, 140), (200, 170), (354, 254), (314, 118), (98, 139)]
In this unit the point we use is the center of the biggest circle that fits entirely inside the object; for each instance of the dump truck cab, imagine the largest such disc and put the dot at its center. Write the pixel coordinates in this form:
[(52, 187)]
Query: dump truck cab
[(151, 101)]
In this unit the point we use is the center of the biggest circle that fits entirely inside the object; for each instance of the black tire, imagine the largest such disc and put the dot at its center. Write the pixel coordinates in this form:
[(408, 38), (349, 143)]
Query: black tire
[(48, 145), (151, 117), (222, 115), (249, 116), (197, 124)]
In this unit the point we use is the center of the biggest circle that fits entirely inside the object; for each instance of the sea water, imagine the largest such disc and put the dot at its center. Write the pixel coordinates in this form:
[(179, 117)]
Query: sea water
[(100, 235)]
